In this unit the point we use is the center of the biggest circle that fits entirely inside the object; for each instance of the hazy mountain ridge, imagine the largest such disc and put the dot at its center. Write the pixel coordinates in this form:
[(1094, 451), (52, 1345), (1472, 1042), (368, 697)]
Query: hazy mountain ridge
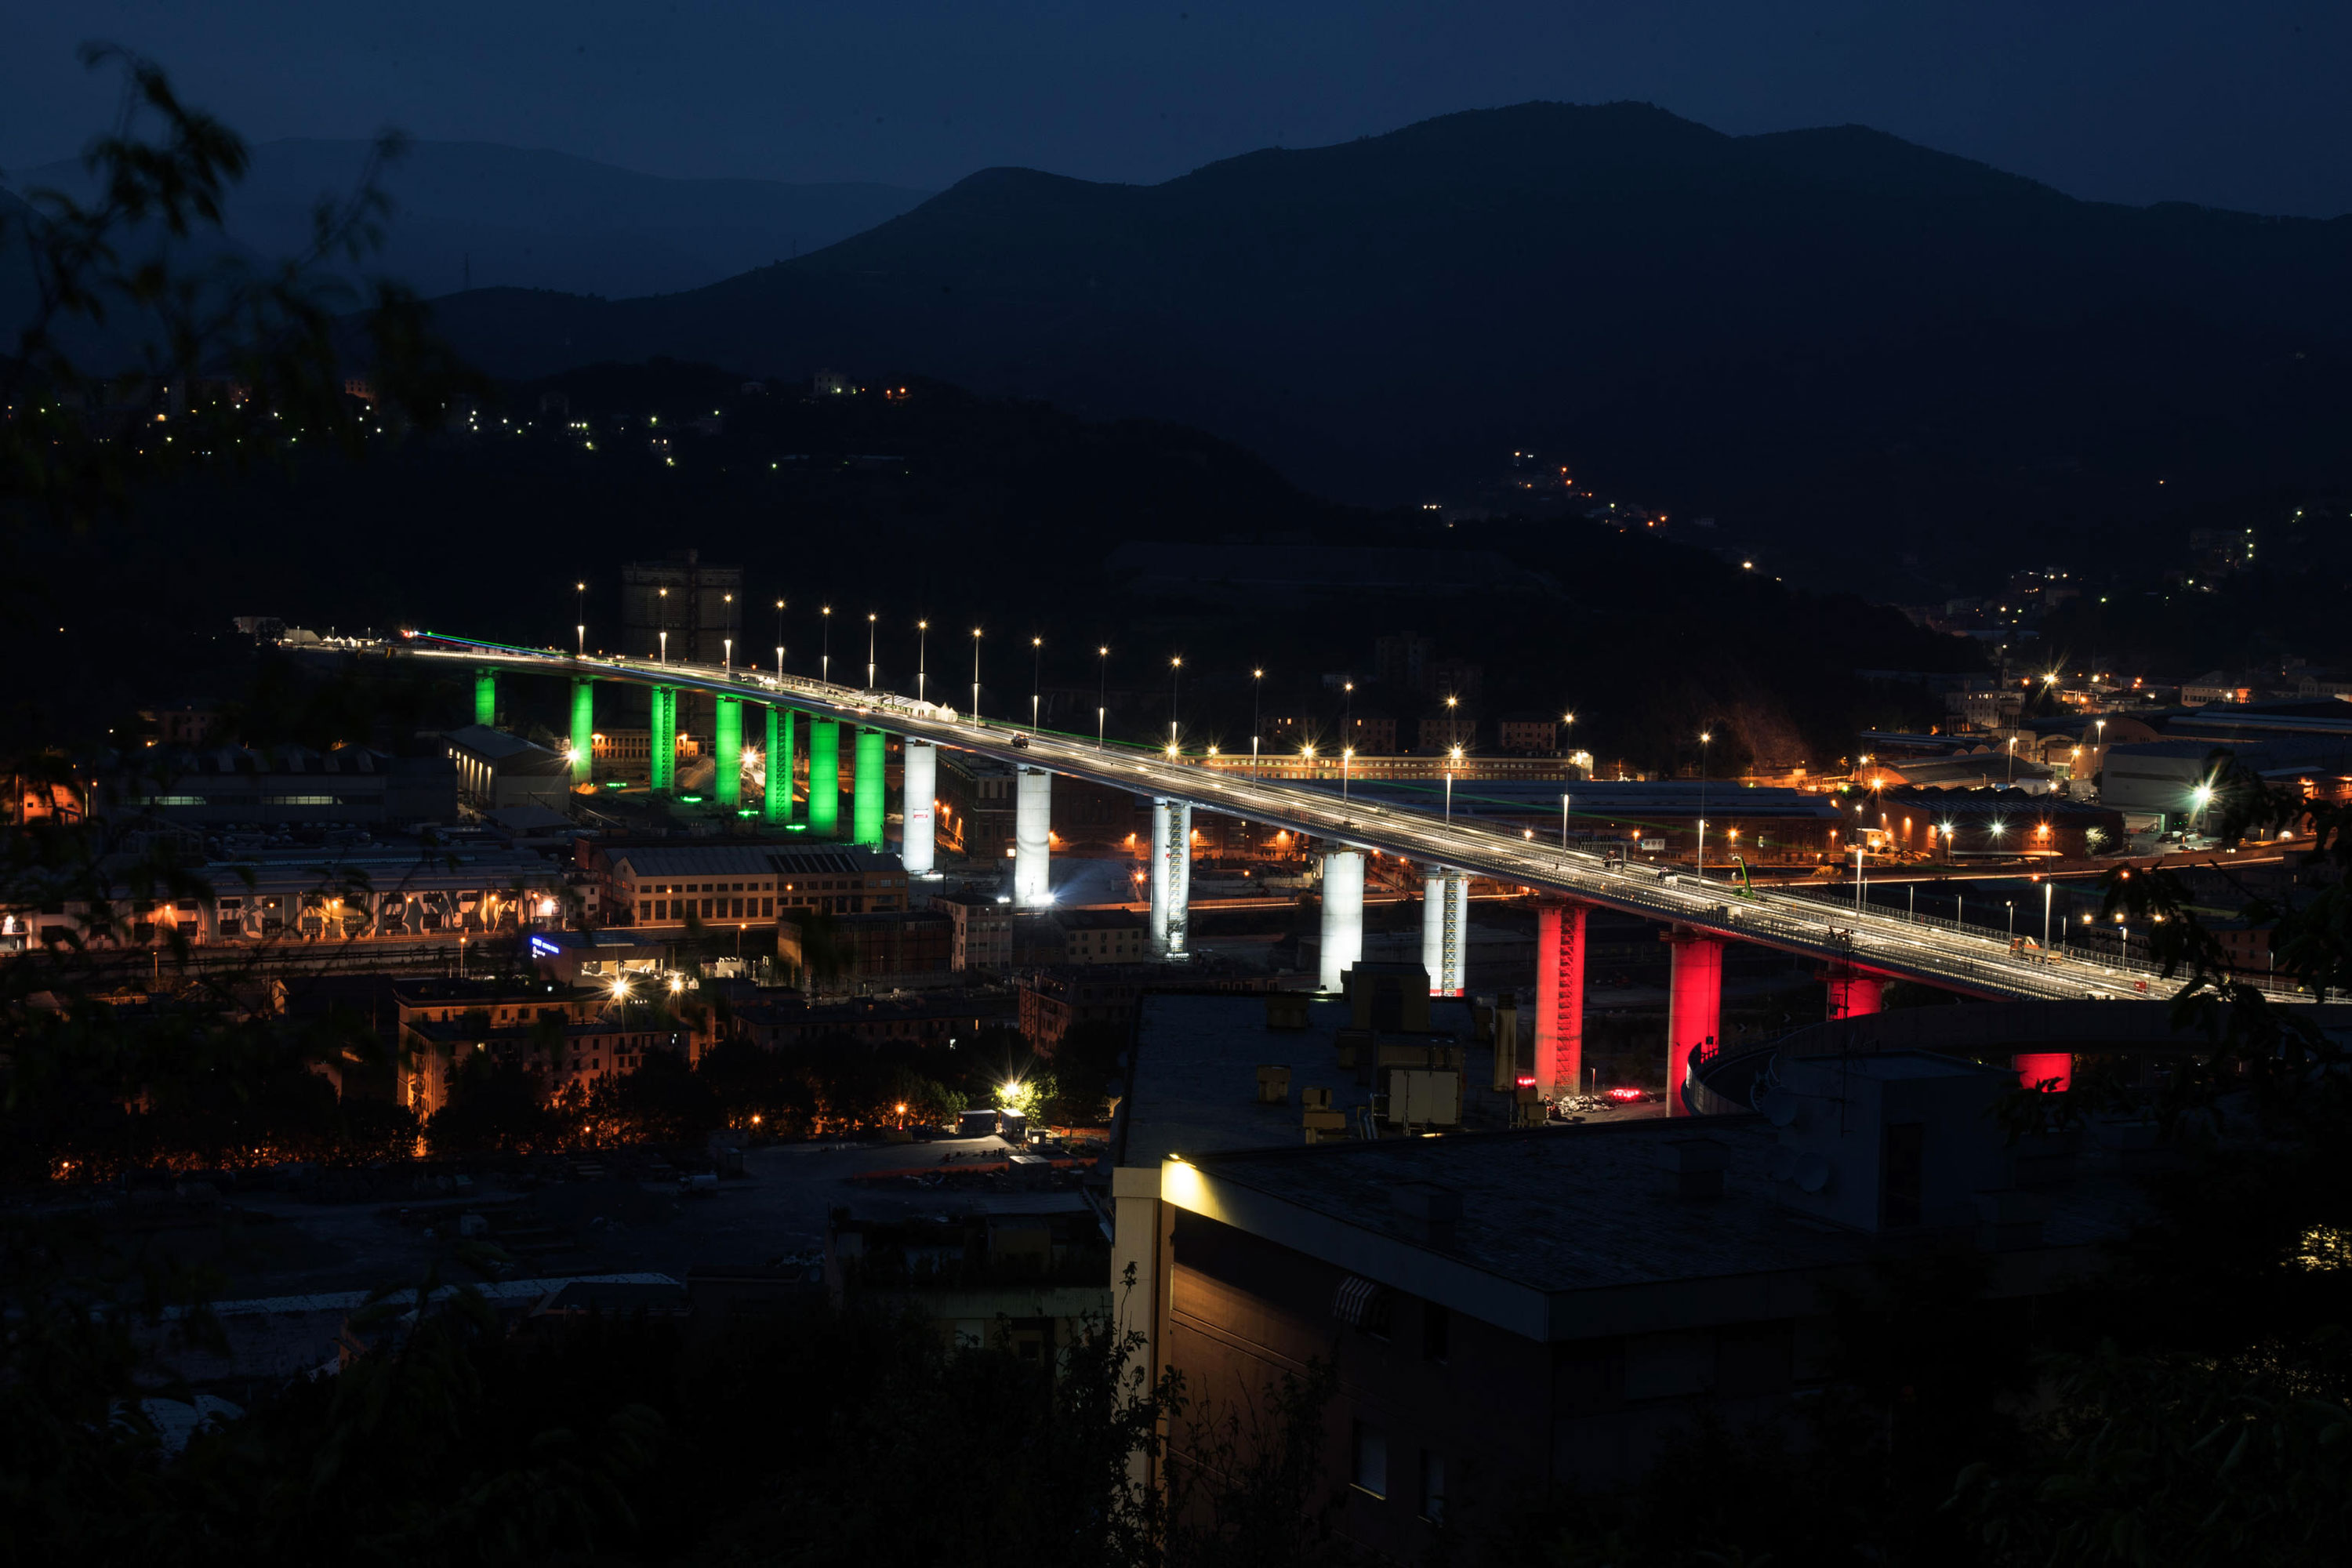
[(525, 217)]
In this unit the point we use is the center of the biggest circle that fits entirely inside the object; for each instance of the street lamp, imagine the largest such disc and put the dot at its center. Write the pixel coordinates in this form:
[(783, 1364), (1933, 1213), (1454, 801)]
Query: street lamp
[(1036, 676), (922, 656), (661, 610), (1102, 690), (1175, 673), (825, 658), (1563, 822), (2047, 890), (975, 675), (580, 613), (1453, 760), (1257, 695), (1346, 755), (869, 650), (1348, 712), (727, 654), (2013, 758), (780, 640), (1705, 740)]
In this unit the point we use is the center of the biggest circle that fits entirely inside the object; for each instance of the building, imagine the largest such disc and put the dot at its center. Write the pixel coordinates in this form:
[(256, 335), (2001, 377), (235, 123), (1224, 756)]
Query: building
[(1403, 660), (894, 948), (1985, 710), (1103, 936), (496, 770), (272, 787), (182, 723), (936, 1020), (1446, 731), (1056, 1000), (2219, 685), (667, 881), (1457, 677), (1028, 1283), (383, 896), (2001, 824), (628, 754), (1511, 1312), (680, 609), (982, 926), (570, 1034), (1372, 734), (1527, 734)]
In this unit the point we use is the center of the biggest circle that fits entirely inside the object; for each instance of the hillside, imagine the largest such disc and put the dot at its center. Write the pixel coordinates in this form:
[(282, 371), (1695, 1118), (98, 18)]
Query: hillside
[(528, 218), (934, 503), (1805, 332)]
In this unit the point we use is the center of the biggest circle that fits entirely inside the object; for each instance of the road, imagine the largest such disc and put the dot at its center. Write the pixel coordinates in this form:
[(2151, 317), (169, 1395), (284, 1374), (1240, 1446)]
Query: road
[(1892, 945)]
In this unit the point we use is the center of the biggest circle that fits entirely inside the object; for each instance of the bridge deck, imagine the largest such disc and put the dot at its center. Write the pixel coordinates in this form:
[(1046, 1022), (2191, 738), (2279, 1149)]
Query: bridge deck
[(1885, 944)]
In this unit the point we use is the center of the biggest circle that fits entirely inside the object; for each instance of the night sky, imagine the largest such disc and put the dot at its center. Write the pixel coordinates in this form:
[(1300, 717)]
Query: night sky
[(2239, 105)]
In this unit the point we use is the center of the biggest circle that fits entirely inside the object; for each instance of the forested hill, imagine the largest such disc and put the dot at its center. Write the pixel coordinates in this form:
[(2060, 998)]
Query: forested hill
[(1803, 331)]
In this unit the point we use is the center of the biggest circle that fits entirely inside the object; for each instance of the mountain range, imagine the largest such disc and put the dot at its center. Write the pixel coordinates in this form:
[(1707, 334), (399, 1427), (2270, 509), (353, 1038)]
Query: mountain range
[(474, 214), (1807, 331)]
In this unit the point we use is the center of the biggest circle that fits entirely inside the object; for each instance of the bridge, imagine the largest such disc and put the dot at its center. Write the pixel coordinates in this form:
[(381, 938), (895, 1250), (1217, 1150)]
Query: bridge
[(1860, 948)]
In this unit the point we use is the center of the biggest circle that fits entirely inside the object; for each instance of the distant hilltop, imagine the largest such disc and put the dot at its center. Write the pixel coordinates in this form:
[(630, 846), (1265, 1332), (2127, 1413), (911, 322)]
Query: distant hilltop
[(1812, 330)]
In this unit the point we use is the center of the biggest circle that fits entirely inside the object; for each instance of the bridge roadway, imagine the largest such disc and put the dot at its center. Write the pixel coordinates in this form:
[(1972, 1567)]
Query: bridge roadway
[(1883, 944)]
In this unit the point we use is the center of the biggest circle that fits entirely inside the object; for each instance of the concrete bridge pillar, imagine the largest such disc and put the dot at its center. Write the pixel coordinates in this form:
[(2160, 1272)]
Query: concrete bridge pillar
[(2035, 1069), (1343, 915), (1445, 931), (867, 809), (1560, 998), (1172, 878), (661, 752), (584, 731), (776, 799), (1694, 1005), (727, 781), (918, 840), (485, 696), (1033, 837), (1853, 994), (824, 777)]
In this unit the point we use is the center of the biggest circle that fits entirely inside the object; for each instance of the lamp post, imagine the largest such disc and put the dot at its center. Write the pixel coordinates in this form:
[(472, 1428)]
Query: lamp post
[(1258, 694), (1175, 674), (1102, 690), (1346, 755), (780, 640), (2047, 890), (2013, 758), (1563, 822), (661, 611), (922, 656), (1346, 712), (727, 654), (580, 613), (869, 650), (1858, 846), (1453, 760), (975, 675), (2013, 917), (1036, 676), (1705, 740), (825, 656)]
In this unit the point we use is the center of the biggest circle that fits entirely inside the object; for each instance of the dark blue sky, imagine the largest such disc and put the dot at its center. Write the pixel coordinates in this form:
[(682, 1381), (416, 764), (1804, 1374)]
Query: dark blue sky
[(2238, 104)]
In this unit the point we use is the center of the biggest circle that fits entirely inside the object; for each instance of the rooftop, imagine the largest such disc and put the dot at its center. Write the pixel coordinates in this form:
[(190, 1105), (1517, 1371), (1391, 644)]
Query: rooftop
[(754, 859), (1193, 1087), (1589, 1208)]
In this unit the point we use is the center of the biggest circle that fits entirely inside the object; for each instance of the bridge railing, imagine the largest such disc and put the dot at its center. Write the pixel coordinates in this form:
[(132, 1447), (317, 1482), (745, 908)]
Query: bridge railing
[(2063, 952)]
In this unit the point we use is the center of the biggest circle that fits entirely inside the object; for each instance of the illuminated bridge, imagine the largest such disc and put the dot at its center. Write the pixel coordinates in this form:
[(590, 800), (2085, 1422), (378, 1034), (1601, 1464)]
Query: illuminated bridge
[(1860, 948)]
